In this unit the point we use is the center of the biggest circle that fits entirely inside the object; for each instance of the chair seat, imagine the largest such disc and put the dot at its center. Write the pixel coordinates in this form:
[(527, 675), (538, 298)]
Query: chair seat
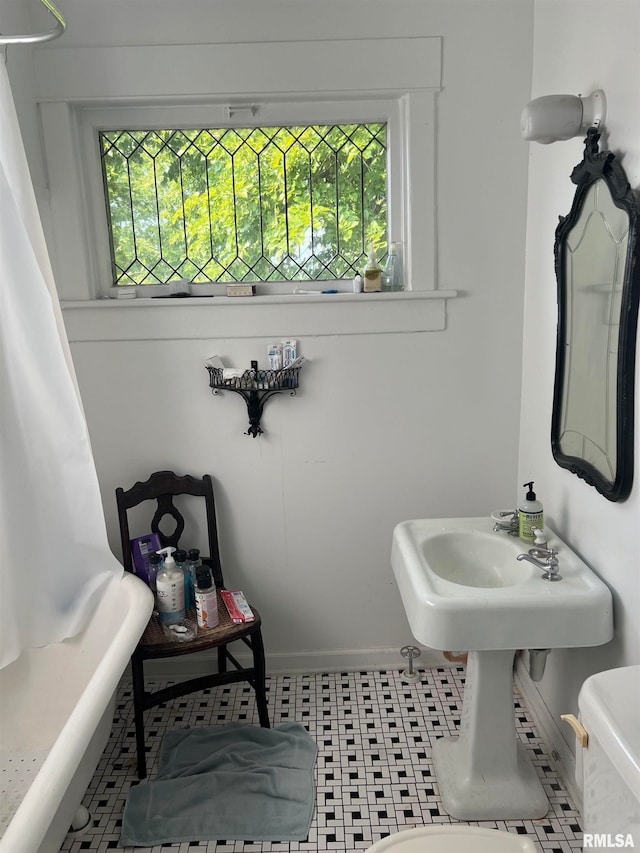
[(154, 643)]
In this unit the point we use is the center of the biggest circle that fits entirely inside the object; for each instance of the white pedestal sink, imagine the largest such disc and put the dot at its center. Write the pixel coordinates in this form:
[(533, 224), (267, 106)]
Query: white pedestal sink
[(462, 588)]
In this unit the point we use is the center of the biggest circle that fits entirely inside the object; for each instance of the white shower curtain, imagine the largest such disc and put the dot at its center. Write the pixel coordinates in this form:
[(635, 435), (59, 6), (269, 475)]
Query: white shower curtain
[(55, 561)]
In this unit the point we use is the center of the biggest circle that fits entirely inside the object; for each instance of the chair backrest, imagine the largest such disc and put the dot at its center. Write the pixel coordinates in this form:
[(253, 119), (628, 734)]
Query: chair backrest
[(162, 487)]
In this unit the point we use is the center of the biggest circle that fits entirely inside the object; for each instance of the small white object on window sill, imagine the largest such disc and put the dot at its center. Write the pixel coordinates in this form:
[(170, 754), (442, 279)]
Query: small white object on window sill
[(241, 290), (124, 291)]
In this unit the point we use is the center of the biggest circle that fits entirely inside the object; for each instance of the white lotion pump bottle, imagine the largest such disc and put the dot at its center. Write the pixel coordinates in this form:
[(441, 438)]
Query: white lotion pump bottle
[(170, 590), (530, 515)]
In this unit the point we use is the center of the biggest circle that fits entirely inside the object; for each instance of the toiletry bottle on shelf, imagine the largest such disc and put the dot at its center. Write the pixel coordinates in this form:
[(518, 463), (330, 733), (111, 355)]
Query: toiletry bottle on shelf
[(289, 352), (530, 515), (372, 273), (274, 354), (206, 599), (155, 563), (253, 374), (392, 275), (169, 589)]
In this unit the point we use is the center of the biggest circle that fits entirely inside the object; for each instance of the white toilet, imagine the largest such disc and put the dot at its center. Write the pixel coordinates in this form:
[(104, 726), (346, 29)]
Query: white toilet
[(607, 769), (454, 839), (609, 765)]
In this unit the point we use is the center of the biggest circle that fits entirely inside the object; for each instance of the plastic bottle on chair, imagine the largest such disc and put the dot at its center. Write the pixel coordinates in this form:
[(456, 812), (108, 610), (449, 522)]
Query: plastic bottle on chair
[(206, 599), (180, 557), (170, 589), (193, 564), (155, 564)]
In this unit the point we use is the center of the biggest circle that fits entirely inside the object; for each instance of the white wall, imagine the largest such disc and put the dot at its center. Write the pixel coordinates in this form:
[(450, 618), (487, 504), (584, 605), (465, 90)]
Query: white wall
[(578, 47), (387, 426)]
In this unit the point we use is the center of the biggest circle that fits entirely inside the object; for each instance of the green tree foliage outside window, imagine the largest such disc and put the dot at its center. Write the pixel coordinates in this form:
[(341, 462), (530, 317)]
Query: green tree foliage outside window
[(244, 204)]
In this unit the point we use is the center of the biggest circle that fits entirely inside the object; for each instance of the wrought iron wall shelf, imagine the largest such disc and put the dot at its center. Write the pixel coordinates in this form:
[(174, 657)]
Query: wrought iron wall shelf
[(255, 387)]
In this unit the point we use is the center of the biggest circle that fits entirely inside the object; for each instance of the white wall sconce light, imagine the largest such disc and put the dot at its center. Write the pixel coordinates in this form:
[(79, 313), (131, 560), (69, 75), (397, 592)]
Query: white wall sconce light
[(556, 117)]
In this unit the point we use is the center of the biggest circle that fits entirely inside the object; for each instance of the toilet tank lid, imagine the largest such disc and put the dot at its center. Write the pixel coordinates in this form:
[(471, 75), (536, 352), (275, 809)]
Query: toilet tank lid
[(608, 704)]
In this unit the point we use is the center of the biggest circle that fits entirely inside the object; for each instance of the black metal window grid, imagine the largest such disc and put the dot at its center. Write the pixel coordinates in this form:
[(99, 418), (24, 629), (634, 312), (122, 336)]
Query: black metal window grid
[(244, 204)]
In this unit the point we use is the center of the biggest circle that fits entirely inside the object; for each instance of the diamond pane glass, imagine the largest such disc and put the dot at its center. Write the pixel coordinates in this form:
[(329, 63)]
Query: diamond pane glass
[(244, 204)]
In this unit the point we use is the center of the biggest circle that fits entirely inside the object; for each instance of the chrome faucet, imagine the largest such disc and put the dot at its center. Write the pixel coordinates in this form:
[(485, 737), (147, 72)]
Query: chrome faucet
[(506, 520), (549, 562)]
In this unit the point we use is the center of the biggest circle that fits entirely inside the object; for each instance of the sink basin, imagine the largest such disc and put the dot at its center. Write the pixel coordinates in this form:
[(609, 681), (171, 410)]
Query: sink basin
[(473, 558), (462, 588)]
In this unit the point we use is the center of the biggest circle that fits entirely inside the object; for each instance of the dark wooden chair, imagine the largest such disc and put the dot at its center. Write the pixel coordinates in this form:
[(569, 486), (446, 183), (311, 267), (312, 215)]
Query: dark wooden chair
[(162, 487)]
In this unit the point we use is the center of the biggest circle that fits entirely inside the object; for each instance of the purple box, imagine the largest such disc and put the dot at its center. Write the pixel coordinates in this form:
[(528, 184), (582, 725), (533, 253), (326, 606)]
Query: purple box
[(141, 547)]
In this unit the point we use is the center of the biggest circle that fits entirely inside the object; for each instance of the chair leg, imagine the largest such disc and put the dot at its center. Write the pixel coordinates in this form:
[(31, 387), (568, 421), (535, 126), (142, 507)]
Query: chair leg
[(260, 676), (222, 659), (137, 673)]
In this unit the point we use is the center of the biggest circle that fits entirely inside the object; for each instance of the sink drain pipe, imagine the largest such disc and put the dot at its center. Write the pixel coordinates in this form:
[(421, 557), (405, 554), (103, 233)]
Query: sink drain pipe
[(537, 663)]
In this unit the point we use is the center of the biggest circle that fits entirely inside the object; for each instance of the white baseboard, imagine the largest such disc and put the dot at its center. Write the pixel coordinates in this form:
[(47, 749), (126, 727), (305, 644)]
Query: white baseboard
[(296, 663), (549, 730)]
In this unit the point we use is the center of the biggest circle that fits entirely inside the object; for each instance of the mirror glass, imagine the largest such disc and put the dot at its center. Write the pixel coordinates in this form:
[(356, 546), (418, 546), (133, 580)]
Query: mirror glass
[(597, 272)]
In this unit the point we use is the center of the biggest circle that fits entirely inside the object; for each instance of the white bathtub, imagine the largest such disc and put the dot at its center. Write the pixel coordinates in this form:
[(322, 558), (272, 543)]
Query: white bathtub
[(56, 710)]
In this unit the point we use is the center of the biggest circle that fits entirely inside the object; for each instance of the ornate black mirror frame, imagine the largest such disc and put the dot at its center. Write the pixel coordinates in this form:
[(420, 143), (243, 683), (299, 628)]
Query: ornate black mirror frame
[(598, 166)]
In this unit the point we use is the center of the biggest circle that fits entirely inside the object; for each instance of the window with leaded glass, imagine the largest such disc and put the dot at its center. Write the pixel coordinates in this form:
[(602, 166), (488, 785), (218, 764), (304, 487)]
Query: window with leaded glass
[(259, 204)]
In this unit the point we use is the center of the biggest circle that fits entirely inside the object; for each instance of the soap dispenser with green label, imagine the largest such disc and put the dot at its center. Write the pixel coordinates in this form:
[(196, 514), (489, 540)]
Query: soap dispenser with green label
[(530, 515)]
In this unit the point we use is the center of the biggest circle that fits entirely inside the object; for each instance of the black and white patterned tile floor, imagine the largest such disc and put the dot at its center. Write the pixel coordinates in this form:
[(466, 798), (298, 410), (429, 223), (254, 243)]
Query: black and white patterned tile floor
[(374, 774)]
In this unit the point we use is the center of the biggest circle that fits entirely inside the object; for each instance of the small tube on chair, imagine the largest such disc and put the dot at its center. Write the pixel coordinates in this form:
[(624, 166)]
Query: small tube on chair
[(537, 663)]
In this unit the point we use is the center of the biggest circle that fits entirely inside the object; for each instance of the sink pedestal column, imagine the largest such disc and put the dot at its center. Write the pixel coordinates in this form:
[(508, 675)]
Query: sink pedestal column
[(486, 773)]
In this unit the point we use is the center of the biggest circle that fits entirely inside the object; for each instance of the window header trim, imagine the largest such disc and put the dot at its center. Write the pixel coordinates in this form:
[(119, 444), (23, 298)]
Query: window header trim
[(262, 68)]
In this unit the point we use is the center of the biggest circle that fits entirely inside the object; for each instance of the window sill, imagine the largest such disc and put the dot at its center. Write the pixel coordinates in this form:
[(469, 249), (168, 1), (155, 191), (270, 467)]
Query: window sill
[(256, 316)]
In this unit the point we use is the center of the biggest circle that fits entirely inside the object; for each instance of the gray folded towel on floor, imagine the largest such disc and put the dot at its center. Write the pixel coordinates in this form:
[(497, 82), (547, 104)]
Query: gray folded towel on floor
[(235, 782)]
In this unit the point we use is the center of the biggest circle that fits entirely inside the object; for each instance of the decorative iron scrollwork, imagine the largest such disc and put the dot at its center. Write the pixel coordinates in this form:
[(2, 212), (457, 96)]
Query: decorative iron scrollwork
[(255, 387)]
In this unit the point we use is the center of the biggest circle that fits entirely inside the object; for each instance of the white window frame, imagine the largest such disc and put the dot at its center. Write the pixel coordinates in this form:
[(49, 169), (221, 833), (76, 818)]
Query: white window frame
[(80, 94)]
